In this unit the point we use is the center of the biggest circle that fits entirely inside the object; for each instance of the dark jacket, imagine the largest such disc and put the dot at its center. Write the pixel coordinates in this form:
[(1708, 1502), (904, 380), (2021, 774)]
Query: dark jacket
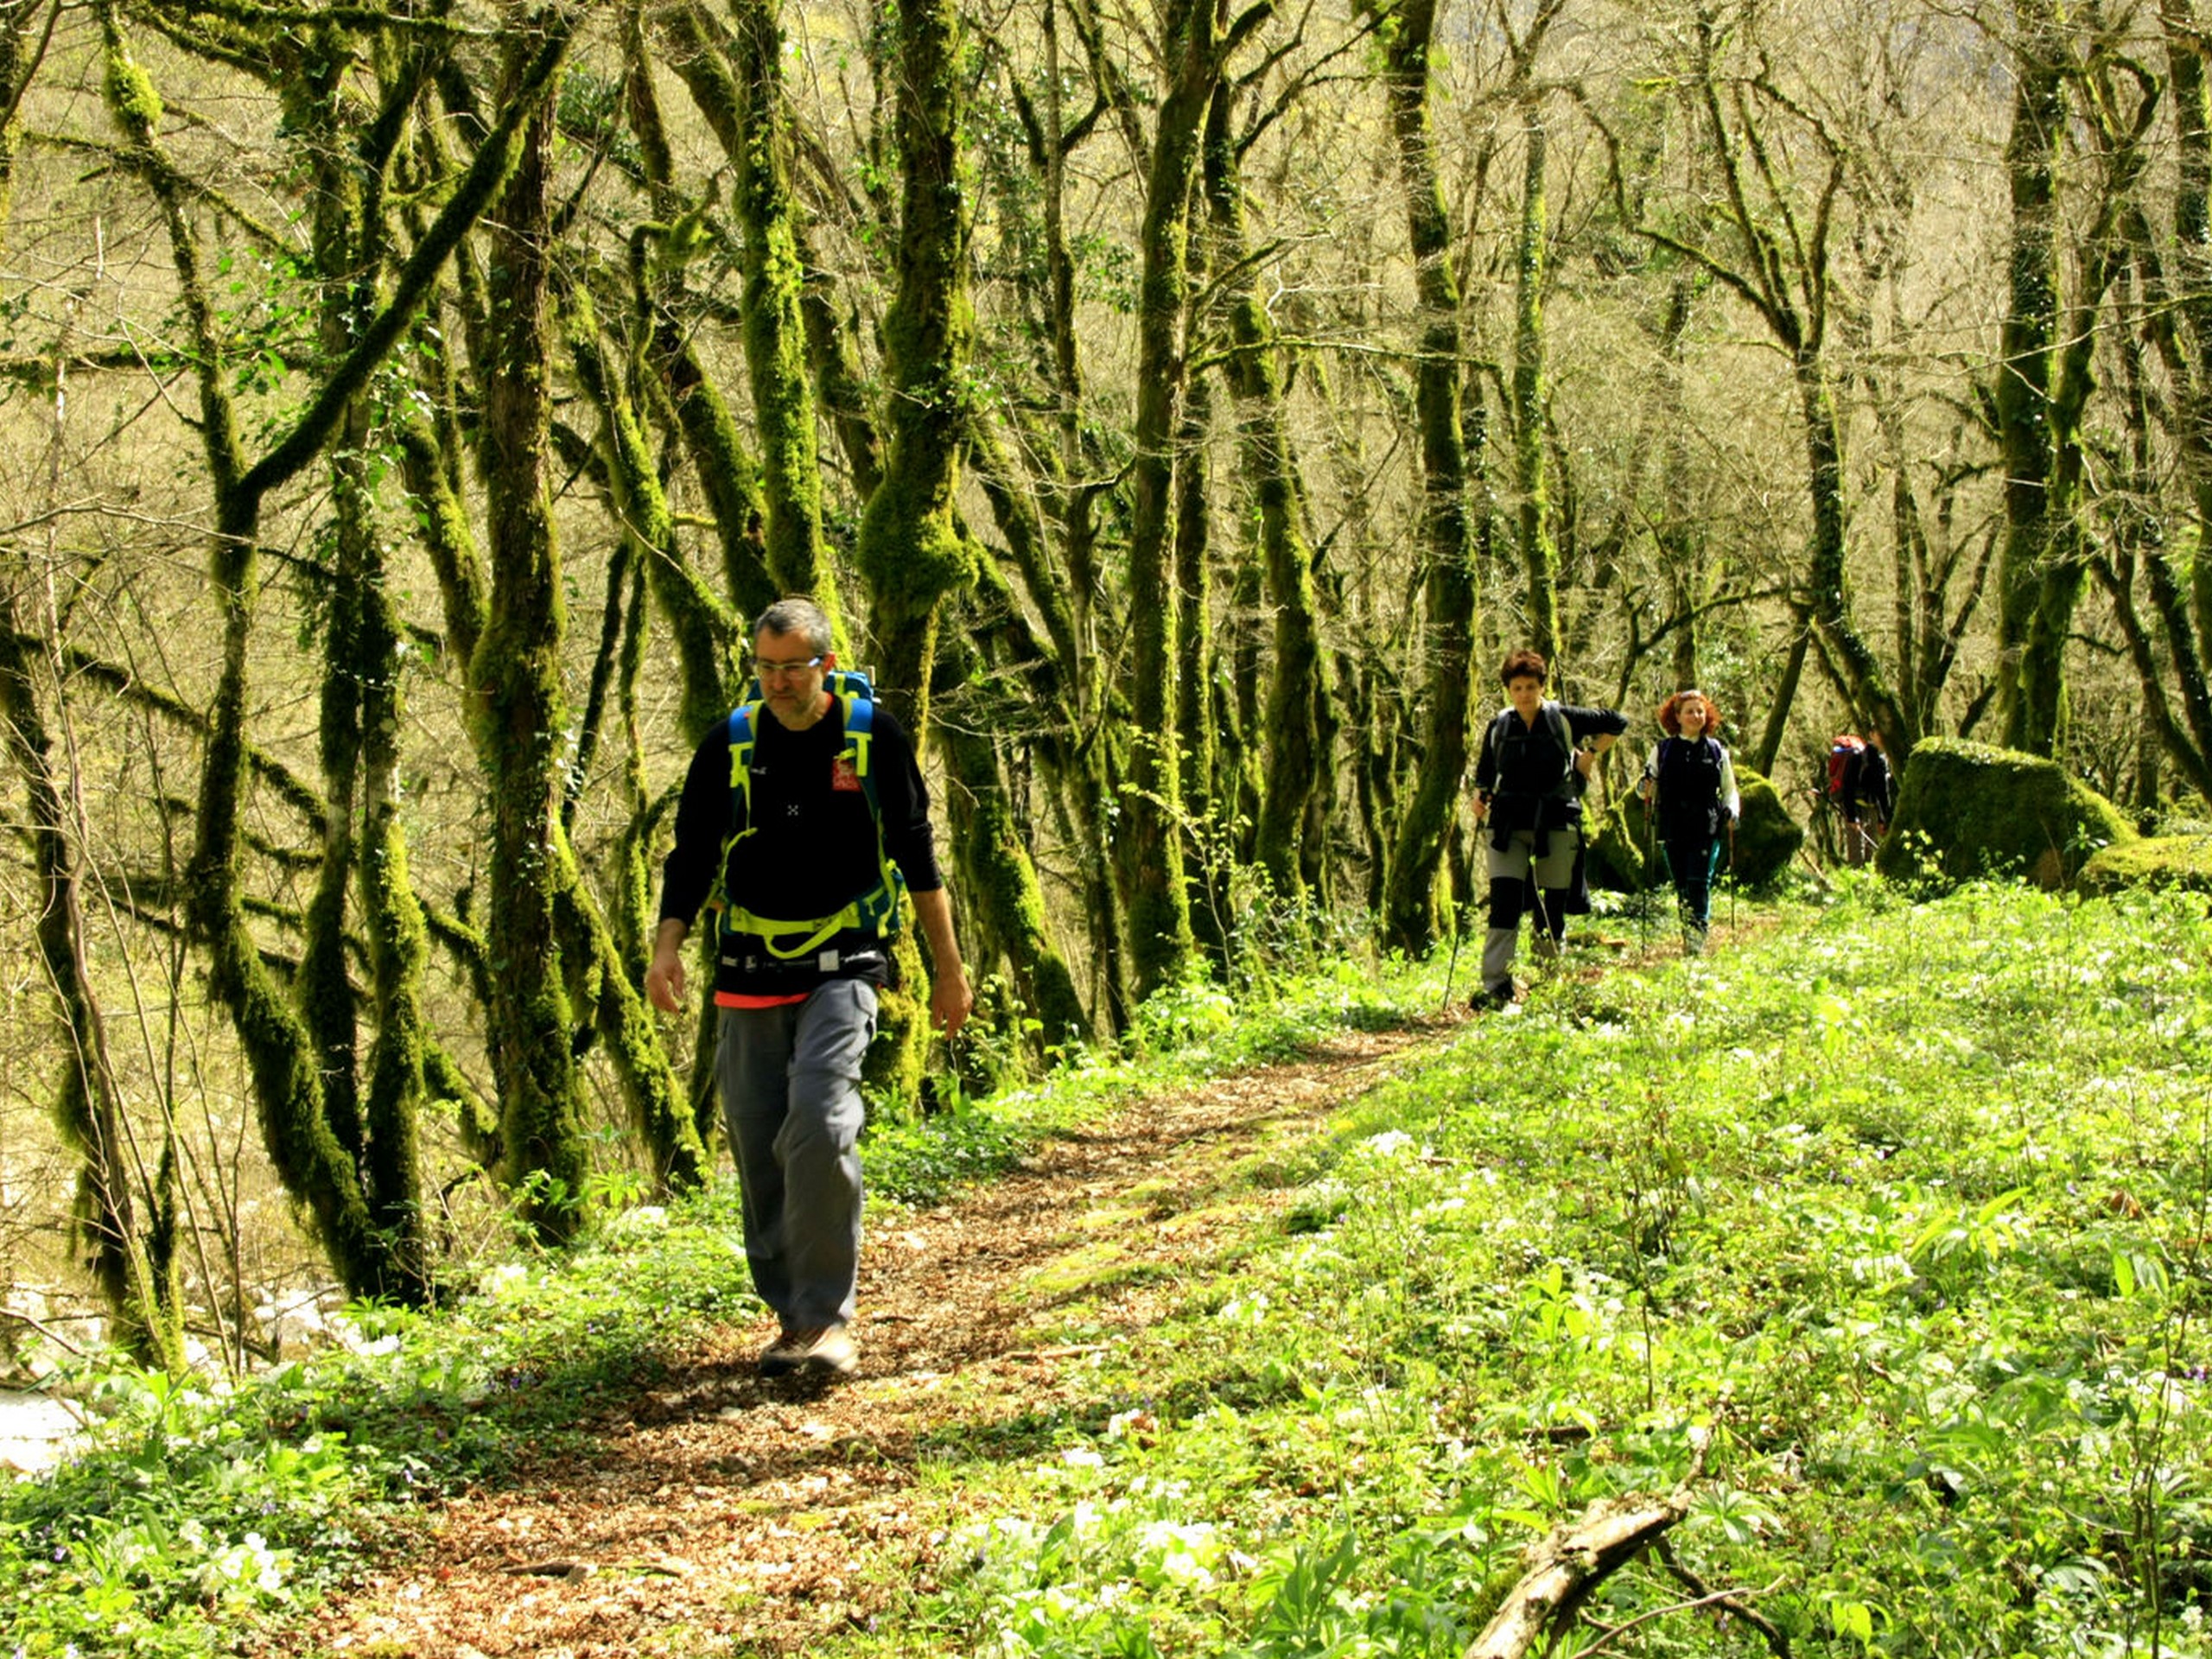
[(1528, 776), (813, 848), (1868, 786), (1695, 787)]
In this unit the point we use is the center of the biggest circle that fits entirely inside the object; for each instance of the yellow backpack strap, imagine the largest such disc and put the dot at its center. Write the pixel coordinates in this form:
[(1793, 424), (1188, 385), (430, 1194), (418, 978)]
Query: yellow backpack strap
[(876, 910), (744, 727)]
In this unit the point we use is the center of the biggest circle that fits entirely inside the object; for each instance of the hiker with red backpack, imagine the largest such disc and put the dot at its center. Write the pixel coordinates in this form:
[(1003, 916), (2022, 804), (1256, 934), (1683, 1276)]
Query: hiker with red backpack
[(1861, 788), (1528, 793), (1689, 784)]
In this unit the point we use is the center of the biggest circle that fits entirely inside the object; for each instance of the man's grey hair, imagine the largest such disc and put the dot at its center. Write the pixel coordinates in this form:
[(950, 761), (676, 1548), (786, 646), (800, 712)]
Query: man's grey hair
[(796, 613)]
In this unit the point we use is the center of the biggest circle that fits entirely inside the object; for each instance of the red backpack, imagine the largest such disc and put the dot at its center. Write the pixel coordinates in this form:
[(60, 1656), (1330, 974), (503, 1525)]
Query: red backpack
[(1843, 760)]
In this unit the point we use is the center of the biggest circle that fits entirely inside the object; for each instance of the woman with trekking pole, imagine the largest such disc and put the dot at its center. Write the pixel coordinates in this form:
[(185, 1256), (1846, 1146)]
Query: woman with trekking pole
[(1689, 784), (1536, 756)]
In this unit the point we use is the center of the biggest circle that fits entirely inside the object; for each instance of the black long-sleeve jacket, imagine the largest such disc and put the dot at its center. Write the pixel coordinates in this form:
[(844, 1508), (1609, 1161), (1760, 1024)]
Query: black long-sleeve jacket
[(813, 846)]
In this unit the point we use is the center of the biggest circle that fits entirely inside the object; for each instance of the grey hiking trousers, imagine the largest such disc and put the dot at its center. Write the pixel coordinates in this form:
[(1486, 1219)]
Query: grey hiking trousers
[(791, 1085), (1508, 867)]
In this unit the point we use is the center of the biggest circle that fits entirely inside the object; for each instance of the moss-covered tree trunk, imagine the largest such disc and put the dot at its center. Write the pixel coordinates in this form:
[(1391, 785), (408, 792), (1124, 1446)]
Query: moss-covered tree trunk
[(2137, 541), (910, 553), (775, 329), (137, 1278), (2040, 599), (607, 962), (1539, 550), (1197, 741), (1075, 758), (1410, 920), (520, 716), (135, 1269), (728, 475), (280, 1050), (2187, 55), (1298, 680), (992, 839), (737, 83), (1148, 848), (2025, 366), (372, 1104)]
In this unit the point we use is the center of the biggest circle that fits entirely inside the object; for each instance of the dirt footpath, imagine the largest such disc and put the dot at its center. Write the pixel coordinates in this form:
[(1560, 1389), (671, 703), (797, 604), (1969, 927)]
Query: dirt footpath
[(724, 1515)]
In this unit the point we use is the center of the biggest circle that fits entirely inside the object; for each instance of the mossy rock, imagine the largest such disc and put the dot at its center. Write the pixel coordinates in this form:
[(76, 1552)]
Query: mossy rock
[(1616, 842), (1767, 838), (1965, 810), (2153, 862)]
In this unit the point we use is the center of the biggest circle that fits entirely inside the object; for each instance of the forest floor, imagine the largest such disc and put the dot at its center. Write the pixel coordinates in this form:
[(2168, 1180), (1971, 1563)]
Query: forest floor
[(722, 1514)]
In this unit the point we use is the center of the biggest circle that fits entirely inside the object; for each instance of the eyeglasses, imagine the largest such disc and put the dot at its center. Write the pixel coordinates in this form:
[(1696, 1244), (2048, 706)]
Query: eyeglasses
[(765, 669)]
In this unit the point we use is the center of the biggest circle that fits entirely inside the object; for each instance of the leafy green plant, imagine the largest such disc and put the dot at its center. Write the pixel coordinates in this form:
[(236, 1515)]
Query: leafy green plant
[(1888, 1199)]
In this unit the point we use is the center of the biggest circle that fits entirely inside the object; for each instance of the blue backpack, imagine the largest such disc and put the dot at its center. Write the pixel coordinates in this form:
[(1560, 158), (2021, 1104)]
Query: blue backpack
[(876, 910)]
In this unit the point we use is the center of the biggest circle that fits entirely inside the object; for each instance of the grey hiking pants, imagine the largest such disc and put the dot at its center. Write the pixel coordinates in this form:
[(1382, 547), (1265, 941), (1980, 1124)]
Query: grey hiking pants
[(1509, 869), (791, 1085)]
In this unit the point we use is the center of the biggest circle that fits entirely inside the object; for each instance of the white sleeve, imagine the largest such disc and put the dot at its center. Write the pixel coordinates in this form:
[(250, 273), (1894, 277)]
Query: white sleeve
[(1730, 801)]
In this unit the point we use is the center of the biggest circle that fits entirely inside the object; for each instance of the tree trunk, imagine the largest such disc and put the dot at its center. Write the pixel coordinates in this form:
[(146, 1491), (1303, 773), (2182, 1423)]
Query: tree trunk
[(2186, 61), (280, 1049), (1148, 842), (992, 844), (521, 719), (1409, 921), (1539, 554), (138, 1286), (775, 330), (909, 552), (1205, 849), (1298, 682), (2027, 709)]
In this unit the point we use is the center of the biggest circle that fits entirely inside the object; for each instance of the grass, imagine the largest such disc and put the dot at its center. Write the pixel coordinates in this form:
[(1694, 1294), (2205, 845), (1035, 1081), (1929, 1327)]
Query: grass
[(1908, 1206)]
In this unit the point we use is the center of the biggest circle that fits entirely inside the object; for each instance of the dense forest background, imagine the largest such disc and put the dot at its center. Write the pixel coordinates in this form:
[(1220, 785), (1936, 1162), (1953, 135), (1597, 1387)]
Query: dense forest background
[(1180, 409)]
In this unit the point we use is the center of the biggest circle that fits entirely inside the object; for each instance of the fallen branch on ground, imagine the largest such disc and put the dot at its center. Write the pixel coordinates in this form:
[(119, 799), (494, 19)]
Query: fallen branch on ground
[(1568, 1567)]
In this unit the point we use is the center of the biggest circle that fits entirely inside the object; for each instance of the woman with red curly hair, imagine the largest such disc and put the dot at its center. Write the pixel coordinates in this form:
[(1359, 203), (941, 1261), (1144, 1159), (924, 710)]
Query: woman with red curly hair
[(1690, 782)]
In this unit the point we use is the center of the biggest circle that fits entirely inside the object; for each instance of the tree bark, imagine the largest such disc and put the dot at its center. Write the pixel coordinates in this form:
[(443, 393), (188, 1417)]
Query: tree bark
[(1410, 916), (521, 719), (1298, 679), (2023, 393)]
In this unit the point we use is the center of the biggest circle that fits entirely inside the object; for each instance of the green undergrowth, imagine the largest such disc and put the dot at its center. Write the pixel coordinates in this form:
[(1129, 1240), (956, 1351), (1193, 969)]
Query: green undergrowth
[(1907, 1206), (201, 1513)]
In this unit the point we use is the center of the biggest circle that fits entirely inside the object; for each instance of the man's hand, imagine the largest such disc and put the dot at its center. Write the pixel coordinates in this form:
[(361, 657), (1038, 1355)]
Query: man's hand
[(664, 975), (952, 1001), (1482, 806), (1585, 761)]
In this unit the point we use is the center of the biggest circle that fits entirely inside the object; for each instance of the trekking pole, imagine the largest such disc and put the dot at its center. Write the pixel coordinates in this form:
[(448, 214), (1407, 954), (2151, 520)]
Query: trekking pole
[(1451, 968), (1730, 826), (1650, 859)]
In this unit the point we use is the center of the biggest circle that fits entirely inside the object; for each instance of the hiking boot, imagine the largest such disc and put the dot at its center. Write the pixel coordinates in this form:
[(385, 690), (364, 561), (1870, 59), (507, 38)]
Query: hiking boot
[(812, 1350), (1493, 997), (1692, 940)]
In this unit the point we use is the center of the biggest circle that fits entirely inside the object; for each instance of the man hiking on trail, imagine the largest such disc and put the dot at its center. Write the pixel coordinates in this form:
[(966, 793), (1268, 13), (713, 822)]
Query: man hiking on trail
[(805, 807), (1528, 789), (1690, 784)]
